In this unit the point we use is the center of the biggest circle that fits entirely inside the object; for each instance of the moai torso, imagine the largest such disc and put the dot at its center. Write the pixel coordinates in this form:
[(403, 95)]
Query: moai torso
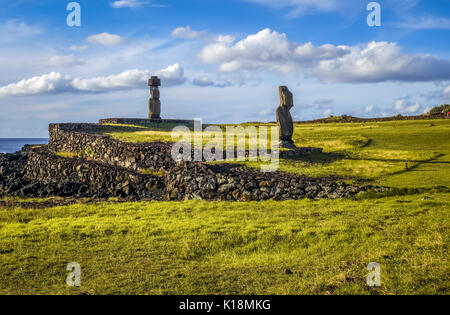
[(284, 118), (154, 104)]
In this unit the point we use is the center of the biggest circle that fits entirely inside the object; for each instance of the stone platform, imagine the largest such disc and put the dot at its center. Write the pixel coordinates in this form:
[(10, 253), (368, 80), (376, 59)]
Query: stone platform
[(138, 121), (103, 167)]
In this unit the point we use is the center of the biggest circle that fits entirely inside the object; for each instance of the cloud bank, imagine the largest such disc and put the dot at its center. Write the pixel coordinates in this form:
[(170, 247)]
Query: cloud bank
[(371, 62), (106, 39), (56, 83)]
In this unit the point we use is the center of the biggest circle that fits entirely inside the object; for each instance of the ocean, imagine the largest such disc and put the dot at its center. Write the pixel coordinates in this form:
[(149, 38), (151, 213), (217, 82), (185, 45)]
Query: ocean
[(10, 145)]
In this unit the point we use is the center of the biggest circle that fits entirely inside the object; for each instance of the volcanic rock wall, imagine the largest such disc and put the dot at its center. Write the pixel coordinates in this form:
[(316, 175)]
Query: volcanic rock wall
[(83, 139), (76, 138), (110, 168), (76, 177), (236, 183)]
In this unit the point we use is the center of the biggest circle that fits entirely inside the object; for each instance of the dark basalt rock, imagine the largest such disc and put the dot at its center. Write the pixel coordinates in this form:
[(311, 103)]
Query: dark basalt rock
[(81, 139), (237, 183), (40, 173), (109, 168)]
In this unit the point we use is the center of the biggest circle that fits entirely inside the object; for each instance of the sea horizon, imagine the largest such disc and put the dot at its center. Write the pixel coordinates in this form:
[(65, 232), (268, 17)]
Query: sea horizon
[(11, 145)]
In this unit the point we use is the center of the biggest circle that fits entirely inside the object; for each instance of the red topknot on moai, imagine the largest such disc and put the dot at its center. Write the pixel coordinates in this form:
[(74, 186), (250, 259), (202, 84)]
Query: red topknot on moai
[(154, 104)]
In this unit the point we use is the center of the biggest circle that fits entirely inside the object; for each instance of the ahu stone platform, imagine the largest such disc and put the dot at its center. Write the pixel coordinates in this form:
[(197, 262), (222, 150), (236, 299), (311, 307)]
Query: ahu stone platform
[(102, 167)]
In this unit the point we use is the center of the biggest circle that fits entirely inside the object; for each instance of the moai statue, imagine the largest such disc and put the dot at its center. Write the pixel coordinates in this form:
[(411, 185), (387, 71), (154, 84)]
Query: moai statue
[(154, 104), (284, 118)]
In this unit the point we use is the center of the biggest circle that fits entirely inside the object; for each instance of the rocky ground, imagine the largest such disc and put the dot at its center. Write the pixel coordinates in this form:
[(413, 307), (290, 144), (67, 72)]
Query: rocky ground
[(43, 204), (236, 183), (38, 173), (13, 181)]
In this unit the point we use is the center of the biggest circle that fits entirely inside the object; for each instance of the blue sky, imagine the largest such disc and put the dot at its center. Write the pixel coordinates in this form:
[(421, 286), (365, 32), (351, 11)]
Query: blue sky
[(219, 60)]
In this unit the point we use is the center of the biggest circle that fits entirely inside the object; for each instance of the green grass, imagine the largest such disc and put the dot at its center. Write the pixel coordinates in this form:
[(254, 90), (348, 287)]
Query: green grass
[(229, 248), (151, 172), (396, 154), (197, 247), (68, 154)]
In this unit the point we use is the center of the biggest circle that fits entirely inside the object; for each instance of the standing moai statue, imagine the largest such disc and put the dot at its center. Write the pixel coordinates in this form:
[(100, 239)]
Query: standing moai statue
[(154, 104), (284, 118)]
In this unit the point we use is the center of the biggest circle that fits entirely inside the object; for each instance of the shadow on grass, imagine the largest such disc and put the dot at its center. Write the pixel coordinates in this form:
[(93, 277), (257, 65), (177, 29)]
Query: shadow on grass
[(317, 158), (397, 192), (430, 161), (408, 167)]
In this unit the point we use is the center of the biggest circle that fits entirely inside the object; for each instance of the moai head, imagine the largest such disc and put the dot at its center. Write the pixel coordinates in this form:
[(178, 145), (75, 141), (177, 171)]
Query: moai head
[(286, 97), (154, 81)]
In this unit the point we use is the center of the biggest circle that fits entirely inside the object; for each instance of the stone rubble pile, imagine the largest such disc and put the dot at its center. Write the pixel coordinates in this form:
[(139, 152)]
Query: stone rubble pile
[(236, 183)]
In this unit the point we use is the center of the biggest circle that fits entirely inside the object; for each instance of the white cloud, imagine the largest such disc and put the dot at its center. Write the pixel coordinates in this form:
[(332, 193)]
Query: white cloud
[(413, 108), (446, 92), (382, 61), (372, 62), (128, 3), (403, 106), (56, 83), (125, 80), (267, 50), (16, 32), (78, 48), (427, 109), (15, 29), (172, 75), (185, 32), (45, 84), (106, 39), (399, 104), (134, 4), (368, 109), (59, 61), (205, 81), (328, 112)]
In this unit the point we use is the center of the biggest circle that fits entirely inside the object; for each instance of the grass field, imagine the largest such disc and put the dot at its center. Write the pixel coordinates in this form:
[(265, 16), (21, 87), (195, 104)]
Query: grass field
[(290, 247)]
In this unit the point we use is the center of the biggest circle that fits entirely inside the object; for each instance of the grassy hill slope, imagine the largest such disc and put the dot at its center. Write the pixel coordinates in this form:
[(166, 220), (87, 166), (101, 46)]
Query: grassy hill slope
[(291, 247)]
